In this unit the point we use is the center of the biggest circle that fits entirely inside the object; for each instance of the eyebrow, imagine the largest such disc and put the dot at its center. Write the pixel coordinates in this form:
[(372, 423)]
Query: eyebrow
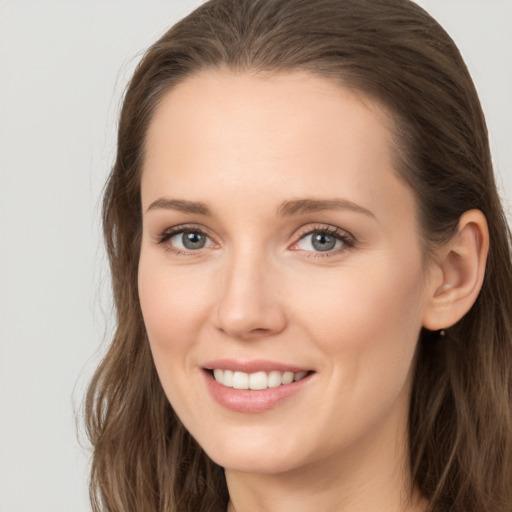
[(192, 207), (301, 206), (286, 209)]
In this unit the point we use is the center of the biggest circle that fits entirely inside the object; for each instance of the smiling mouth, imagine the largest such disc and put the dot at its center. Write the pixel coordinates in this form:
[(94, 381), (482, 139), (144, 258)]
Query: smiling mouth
[(256, 381)]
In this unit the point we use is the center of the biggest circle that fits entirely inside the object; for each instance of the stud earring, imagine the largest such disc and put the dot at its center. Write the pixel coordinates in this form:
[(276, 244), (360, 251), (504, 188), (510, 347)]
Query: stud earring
[(442, 333)]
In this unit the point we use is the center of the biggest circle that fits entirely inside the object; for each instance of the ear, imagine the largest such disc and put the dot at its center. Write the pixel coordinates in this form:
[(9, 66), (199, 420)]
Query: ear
[(459, 272)]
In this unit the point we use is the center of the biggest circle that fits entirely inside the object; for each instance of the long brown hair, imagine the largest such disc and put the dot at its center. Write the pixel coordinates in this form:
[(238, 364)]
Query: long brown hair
[(460, 416)]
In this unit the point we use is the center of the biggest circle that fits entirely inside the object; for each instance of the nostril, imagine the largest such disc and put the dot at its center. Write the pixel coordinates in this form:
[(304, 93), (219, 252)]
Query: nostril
[(244, 334)]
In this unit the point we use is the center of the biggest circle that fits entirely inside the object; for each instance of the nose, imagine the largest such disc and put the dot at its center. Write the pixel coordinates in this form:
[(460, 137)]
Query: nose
[(250, 304)]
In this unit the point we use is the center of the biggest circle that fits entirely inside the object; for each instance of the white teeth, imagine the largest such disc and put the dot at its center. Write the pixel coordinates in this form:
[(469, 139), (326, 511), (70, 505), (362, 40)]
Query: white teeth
[(227, 378), (274, 379), (256, 381), (287, 378), (241, 380)]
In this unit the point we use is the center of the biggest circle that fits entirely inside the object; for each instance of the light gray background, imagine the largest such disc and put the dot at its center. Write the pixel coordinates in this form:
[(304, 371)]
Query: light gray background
[(63, 67)]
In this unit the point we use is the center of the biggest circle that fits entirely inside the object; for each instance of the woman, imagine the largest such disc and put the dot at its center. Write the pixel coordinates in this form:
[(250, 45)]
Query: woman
[(311, 270)]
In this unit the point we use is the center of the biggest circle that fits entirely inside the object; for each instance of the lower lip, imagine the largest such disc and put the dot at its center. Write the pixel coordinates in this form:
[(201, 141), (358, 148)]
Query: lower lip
[(249, 401)]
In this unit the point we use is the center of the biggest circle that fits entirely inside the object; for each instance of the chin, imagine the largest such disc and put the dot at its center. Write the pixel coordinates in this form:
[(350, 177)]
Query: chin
[(256, 463), (251, 455)]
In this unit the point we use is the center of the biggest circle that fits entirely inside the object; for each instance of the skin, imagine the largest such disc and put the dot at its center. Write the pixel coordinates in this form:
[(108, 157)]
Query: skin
[(242, 145)]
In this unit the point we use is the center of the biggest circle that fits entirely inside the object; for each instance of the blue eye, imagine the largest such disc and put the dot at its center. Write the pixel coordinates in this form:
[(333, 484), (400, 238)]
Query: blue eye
[(324, 240), (189, 240), (185, 239), (319, 241)]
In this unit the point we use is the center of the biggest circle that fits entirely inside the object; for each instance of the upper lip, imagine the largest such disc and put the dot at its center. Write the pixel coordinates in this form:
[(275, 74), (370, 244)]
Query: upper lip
[(256, 365)]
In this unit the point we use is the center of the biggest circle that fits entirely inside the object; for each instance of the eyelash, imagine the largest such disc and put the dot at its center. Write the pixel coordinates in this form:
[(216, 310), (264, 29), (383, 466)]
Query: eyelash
[(347, 240), (176, 230)]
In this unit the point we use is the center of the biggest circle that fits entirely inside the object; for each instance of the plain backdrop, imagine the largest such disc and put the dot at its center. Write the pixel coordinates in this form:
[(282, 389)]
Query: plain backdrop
[(63, 68)]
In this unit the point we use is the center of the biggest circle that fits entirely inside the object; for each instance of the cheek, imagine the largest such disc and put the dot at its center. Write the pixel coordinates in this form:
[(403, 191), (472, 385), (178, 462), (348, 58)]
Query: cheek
[(373, 311), (174, 307), (365, 323), (172, 302)]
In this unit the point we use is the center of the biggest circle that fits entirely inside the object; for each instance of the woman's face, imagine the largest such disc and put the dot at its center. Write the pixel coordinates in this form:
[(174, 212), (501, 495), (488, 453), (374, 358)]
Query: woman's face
[(279, 245)]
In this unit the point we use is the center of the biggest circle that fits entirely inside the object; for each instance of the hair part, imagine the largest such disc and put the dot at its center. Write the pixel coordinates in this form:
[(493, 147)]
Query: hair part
[(389, 50)]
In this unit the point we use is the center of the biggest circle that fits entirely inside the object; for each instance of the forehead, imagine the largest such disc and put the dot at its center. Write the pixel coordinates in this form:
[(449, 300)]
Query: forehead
[(227, 103), (293, 134)]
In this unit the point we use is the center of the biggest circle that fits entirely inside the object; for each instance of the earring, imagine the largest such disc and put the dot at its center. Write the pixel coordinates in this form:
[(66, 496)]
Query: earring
[(442, 333)]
